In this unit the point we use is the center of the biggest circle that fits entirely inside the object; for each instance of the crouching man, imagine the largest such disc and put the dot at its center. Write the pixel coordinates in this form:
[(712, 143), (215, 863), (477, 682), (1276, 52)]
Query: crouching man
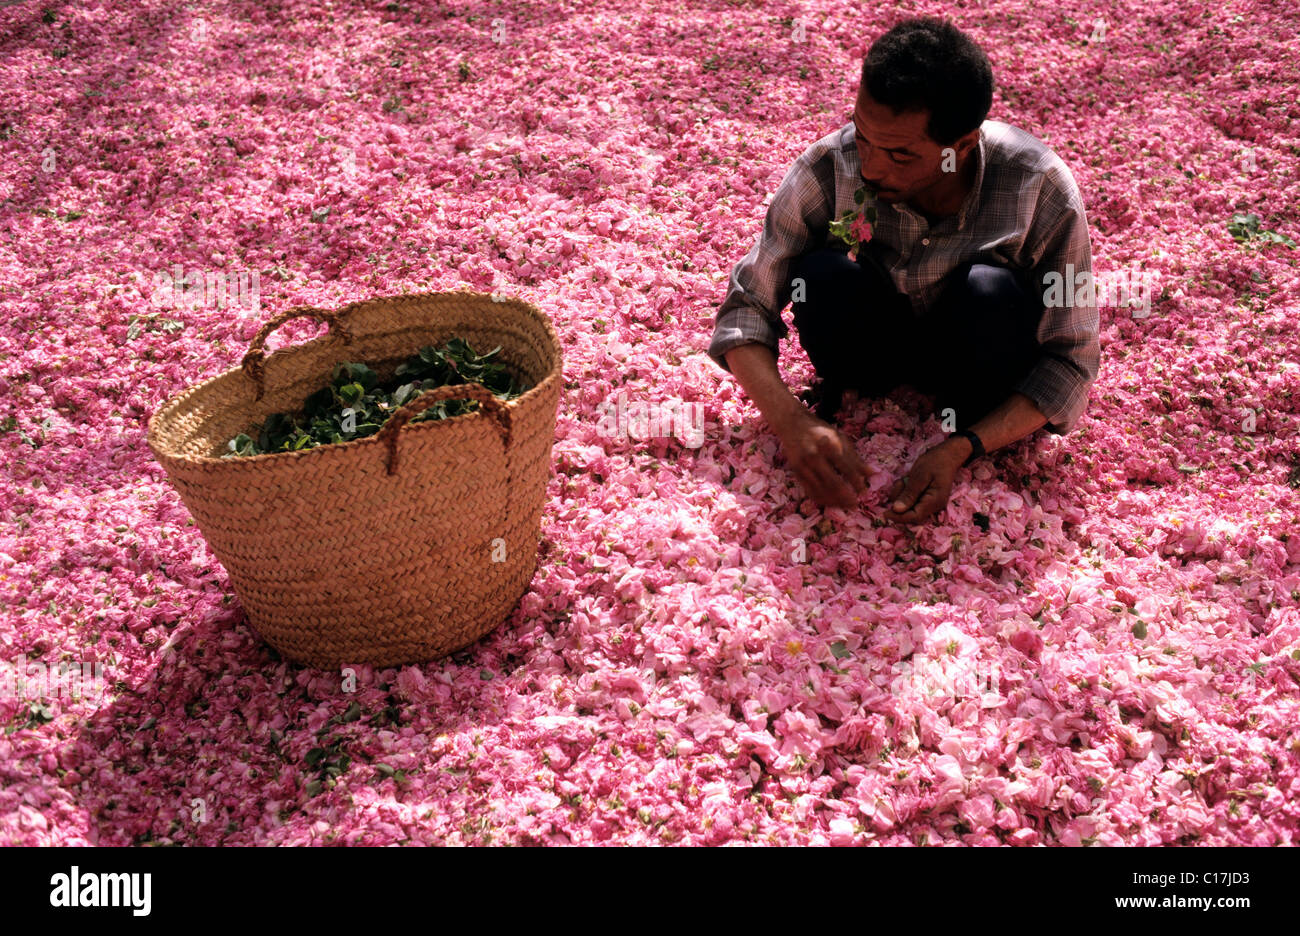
[(956, 224)]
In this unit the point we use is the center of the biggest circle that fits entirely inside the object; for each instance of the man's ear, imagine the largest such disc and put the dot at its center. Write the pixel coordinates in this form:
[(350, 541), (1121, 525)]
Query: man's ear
[(965, 145)]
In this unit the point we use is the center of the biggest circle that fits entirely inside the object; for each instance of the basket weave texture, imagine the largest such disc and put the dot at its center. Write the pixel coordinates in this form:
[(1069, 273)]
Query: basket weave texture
[(398, 548)]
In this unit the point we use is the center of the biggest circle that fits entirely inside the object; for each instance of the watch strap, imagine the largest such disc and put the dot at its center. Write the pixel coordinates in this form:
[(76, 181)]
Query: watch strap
[(977, 446)]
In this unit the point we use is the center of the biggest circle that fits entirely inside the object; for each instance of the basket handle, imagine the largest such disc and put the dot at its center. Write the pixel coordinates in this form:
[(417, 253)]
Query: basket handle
[(486, 400), (255, 359)]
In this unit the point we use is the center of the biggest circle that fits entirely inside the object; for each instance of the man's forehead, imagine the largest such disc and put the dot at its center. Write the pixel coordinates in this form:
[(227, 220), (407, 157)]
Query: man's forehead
[(898, 130)]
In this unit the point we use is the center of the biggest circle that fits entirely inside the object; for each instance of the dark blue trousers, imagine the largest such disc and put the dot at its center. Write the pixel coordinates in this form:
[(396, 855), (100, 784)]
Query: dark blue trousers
[(860, 333)]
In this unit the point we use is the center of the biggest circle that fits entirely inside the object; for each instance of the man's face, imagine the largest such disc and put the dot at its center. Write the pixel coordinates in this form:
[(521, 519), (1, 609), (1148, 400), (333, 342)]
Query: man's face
[(899, 160)]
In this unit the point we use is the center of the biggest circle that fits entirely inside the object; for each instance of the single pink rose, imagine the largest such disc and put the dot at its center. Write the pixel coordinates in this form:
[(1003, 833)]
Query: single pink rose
[(861, 229)]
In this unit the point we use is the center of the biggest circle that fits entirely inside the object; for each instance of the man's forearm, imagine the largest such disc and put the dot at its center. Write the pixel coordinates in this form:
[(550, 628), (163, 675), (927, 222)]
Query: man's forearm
[(754, 365), (1012, 420)]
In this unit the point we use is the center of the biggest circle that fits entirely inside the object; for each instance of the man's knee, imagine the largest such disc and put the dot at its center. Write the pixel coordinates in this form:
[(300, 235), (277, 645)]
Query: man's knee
[(986, 298), (821, 268), (996, 285), (819, 283)]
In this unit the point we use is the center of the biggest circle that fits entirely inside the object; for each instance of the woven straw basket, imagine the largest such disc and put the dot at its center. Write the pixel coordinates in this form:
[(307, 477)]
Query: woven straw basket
[(397, 548)]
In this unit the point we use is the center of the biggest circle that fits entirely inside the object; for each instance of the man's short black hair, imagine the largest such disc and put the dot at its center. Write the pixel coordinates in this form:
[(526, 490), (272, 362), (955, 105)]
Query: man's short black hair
[(929, 64)]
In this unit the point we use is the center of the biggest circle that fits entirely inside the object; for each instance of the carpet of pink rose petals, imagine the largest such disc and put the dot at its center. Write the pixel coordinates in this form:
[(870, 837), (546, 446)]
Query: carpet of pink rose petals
[(704, 657)]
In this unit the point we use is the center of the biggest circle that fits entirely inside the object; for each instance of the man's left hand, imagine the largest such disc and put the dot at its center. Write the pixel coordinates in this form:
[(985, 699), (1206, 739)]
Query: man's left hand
[(924, 490)]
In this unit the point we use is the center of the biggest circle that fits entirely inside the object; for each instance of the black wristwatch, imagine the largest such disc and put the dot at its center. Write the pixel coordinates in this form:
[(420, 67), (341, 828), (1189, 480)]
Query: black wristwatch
[(977, 447)]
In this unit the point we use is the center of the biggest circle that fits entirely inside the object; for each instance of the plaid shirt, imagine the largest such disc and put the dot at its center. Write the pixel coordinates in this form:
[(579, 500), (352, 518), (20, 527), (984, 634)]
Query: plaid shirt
[(1024, 212)]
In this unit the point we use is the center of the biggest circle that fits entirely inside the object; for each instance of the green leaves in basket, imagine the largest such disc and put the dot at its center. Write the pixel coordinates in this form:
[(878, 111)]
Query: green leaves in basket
[(243, 445), (356, 404)]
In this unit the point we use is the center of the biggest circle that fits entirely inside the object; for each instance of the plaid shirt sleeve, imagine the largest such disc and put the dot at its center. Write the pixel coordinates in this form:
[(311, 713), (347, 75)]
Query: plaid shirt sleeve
[(759, 287), (1067, 333)]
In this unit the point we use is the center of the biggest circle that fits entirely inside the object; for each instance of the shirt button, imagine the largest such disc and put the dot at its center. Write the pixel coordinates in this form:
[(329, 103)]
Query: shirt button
[(925, 241)]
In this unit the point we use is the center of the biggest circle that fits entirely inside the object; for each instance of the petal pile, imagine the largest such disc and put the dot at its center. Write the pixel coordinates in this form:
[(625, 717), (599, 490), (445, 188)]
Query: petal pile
[(1098, 641)]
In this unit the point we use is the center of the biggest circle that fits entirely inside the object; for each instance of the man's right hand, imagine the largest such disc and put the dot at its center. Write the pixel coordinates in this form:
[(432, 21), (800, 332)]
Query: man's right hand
[(823, 459)]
